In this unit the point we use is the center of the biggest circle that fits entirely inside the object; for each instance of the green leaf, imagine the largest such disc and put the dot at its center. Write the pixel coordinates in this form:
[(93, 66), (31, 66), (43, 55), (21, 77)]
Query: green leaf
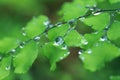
[(114, 1), (92, 38), (95, 57), (58, 31), (114, 77), (113, 32), (77, 10), (36, 26), (7, 44), (97, 22), (55, 53), (5, 67), (86, 3), (24, 59), (73, 39)]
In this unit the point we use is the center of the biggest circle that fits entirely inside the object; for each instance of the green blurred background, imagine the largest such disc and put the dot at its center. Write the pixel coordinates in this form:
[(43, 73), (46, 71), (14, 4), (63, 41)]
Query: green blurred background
[(14, 14)]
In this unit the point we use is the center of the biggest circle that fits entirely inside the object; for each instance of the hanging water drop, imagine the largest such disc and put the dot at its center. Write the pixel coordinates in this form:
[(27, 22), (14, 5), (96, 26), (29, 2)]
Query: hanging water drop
[(37, 38), (64, 47), (89, 51), (96, 13), (8, 68), (13, 50), (58, 41)]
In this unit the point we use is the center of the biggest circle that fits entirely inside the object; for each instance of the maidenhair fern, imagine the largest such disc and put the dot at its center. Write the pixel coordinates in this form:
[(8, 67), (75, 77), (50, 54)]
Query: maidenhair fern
[(97, 47)]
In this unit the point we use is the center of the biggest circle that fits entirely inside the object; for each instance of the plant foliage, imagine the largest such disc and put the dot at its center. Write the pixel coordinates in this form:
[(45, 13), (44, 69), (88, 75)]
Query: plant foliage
[(97, 47)]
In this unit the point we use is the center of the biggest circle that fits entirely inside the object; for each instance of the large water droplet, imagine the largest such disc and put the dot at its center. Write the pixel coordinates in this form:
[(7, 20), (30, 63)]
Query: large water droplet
[(8, 68), (58, 41), (37, 38)]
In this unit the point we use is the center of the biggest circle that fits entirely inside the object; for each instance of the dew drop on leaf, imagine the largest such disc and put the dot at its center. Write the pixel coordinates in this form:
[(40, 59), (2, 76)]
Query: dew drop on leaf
[(98, 13), (8, 68), (24, 34), (103, 39), (37, 38), (61, 58), (68, 53), (64, 47), (46, 23), (89, 51), (84, 42), (0, 58), (82, 58), (80, 52), (13, 50), (21, 46), (58, 41)]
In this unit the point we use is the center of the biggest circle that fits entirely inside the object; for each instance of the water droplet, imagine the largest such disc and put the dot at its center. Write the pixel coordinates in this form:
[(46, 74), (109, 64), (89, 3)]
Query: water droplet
[(37, 38), (61, 58), (23, 28), (80, 52), (13, 50), (82, 58), (8, 68), (58, 24), (96, 13), (46, 23), (84, 42), (68, 53), (58, 41), (82, 18), (103, 39), (64, 47), (21, 46), (71, 21), (24, 34), (0, 58), (89, 51)]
